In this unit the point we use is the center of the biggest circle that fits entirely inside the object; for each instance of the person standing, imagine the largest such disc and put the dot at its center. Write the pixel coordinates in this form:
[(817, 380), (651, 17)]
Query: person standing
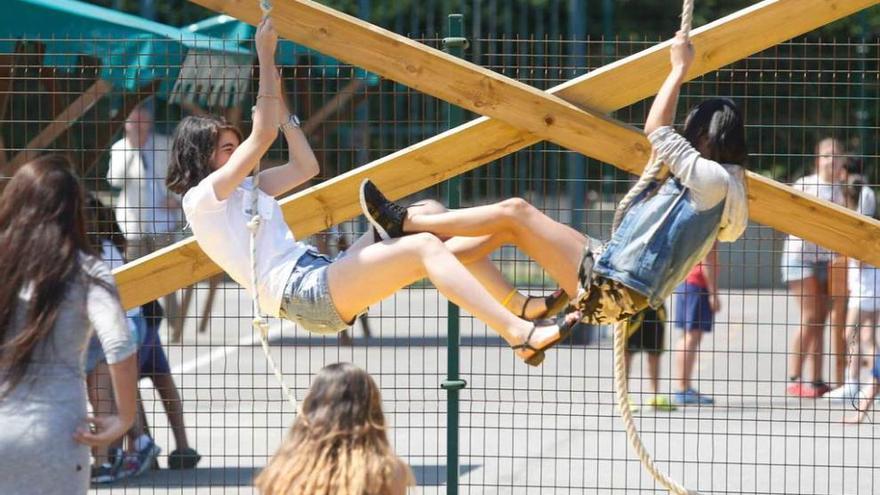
[(805, 269), (148, 214), (696, 302), (55, 292)]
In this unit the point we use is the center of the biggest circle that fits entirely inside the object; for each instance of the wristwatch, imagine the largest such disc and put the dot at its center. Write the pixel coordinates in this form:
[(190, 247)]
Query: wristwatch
[(291, 123)]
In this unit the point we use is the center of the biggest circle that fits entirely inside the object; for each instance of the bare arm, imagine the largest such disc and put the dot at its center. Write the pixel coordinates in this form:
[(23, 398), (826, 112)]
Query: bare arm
[(300, 167), (266, 119), (663, 109), (106, 316), (301, 162)]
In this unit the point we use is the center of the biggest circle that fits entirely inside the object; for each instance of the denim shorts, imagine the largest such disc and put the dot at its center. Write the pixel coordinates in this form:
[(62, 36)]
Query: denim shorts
[(95, 353), (306, 300), (693, 310)]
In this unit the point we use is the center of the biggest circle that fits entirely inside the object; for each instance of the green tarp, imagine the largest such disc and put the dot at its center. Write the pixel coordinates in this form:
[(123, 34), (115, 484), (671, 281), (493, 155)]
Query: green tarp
[(133, 50)]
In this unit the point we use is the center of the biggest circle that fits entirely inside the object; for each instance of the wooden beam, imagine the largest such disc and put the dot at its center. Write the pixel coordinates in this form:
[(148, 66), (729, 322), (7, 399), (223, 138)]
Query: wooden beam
[(483, 140), (62, 121), (445, 76), (553, 116)]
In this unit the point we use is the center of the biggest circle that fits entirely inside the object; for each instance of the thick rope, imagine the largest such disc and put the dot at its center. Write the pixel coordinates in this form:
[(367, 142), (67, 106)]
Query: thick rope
[(260, 323), (649, 175), (626, 415)]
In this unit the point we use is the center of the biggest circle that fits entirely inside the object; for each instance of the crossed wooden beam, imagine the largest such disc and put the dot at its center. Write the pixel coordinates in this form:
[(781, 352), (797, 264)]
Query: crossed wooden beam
[(517, 116)]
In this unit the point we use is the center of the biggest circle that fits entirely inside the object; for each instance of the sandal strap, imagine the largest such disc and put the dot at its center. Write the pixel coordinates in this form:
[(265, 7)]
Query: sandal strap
[(525, 306), (528, 342)]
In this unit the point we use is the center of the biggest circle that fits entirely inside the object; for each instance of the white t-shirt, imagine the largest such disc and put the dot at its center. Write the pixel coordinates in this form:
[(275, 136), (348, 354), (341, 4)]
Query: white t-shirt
[(221, 229), (815, 186), (139, 173)]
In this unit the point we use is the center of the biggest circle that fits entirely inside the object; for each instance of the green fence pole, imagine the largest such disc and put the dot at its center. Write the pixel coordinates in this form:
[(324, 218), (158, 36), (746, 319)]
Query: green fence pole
[(455, 45)]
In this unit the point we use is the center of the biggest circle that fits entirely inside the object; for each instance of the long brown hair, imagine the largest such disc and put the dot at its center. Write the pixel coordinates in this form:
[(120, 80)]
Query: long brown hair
[(42, 233), (338, 444), (102, 225), (192, 149)]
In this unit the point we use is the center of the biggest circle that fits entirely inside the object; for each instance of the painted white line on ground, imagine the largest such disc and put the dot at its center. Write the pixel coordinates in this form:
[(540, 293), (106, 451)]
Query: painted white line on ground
[(221, 352)]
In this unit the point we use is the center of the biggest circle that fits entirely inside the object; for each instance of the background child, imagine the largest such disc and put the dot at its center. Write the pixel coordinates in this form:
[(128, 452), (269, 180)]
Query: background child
[(338, 444), (696, 302), (864, 288), (805, 270)]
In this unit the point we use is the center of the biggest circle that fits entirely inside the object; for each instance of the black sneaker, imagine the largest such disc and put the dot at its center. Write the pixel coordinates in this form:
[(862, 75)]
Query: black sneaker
[(386, 216)]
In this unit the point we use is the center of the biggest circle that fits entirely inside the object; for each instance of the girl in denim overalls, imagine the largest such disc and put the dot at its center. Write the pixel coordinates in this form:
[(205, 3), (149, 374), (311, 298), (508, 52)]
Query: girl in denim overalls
[(666, 231)]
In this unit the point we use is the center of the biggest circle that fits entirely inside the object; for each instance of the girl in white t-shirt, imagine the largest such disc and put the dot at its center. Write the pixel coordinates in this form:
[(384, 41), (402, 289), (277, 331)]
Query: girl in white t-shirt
[(863, 282), (209, 167), (805, 270)]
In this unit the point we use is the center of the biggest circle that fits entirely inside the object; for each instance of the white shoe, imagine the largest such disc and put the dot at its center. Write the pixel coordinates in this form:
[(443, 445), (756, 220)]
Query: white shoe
[(847, 392)]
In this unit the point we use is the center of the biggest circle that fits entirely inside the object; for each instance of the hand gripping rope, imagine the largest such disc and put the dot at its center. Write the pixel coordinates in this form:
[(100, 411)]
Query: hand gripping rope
[(260, 324), (650, 173)]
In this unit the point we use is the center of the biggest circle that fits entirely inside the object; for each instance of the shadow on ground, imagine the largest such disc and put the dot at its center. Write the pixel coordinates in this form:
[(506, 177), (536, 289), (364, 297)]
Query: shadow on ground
[(426, 475)]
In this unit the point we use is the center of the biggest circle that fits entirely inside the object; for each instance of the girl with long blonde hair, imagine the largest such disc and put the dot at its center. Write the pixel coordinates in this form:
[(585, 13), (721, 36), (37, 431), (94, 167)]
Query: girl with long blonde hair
[(338, 444)]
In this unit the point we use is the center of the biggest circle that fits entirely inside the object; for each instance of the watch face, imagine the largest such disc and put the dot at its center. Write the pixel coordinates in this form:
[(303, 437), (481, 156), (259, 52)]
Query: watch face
[(294, 119)]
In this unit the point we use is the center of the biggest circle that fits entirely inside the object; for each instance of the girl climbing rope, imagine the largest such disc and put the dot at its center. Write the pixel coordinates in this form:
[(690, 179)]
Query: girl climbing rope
[(210, 165), (667, 230), (664, 229)]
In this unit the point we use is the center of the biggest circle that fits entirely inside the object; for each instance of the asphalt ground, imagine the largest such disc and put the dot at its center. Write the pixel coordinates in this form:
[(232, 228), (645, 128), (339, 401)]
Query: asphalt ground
[(552, 429)]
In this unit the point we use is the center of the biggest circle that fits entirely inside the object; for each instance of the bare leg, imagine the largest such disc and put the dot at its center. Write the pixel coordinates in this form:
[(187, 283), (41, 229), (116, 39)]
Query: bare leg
[(173, 405), (868, 348), (837, 291), (853, 321), (474, 253), (556, 247), (654, 371), (686, 357), (377, 271), (813, 304), (870, 392)]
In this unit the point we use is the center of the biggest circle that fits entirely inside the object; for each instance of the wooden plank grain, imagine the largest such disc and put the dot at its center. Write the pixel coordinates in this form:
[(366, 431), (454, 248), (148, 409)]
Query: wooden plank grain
[(483, 140), (521, 106), (447, 77)]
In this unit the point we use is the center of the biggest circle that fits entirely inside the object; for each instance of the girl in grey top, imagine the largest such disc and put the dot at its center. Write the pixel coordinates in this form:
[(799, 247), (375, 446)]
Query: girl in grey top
[(54, 294)]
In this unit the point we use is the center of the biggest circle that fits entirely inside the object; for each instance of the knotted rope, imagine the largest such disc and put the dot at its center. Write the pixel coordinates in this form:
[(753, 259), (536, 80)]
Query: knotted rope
[(649, 175), (260, 323)]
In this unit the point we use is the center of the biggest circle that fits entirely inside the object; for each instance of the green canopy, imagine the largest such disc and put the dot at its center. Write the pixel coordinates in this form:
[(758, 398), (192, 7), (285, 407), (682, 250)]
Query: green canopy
[(133, 50), (231, 29)]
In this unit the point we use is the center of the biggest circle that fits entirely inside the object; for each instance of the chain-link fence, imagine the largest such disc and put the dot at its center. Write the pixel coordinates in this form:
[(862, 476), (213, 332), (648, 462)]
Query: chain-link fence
[(553, 429)]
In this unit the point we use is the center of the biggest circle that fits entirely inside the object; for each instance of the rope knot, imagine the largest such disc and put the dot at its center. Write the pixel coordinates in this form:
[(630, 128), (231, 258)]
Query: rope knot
[(254, 224)]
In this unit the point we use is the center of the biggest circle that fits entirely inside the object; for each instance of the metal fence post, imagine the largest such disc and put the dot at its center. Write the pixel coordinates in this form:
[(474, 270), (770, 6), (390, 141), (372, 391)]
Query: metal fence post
[(455, 45)]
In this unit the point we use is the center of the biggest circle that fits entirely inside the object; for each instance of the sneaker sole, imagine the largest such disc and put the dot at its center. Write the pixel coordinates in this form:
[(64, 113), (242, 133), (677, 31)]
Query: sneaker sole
[(366, 211)]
